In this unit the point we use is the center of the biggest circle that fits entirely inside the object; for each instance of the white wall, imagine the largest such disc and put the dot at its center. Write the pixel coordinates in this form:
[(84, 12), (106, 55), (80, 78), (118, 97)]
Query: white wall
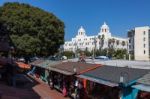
[(139, 43), (83, 41)]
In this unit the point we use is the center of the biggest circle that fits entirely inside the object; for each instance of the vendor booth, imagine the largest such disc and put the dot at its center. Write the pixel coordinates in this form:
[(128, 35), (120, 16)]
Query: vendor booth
[(63, 76), (143, 85), (40, 69), (109, 82)]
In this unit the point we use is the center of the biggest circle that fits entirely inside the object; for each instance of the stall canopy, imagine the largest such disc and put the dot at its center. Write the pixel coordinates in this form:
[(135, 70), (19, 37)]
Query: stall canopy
[(70, 68), (143, 83), (114, 76)]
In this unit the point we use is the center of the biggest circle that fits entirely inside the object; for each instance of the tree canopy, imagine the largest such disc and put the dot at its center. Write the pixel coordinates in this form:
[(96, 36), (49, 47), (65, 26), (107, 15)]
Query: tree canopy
[(31, 29)]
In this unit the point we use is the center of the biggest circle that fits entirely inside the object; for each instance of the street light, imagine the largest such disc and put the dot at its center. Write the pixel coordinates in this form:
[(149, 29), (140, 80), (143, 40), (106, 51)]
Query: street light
[(60, 50)]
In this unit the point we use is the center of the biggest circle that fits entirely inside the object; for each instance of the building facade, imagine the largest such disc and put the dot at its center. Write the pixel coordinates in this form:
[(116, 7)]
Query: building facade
[(139, 43), (102, 40)]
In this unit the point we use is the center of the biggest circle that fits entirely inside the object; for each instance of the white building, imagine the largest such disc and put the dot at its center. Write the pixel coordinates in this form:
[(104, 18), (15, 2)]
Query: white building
[(103, 39), (139, 43)]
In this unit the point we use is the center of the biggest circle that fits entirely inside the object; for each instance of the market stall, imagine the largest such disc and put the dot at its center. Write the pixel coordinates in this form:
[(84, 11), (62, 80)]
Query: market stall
[(111, 82), (64, 76), (40, 69), (143, 85)]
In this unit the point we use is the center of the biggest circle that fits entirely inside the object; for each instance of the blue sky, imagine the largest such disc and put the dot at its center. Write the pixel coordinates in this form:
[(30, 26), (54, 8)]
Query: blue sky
[(120, 15)]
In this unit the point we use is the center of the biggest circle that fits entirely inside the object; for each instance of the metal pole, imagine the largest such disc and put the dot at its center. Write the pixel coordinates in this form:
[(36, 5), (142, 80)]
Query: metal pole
[(75, 49), (93, 53), (94, 48)]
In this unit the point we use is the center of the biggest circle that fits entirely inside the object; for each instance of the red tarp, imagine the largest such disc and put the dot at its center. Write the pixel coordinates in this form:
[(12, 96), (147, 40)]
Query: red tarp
[(23, 65)]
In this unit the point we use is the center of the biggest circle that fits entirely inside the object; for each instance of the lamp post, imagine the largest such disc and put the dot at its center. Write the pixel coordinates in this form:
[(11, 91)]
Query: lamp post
[(60, 51), (94, 48), (75, 49)]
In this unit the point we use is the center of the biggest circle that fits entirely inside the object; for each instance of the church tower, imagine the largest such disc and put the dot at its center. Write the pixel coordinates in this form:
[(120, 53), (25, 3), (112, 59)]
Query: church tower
[(81, 32), (104, 30)]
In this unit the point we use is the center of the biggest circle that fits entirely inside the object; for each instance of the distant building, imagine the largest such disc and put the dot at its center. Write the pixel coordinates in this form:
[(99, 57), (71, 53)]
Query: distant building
[(139, 43), (102, 40)]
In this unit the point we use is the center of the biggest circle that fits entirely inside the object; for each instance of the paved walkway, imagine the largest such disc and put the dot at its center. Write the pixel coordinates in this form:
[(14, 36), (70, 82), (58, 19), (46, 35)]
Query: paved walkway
[(35, 89), (45, 92)]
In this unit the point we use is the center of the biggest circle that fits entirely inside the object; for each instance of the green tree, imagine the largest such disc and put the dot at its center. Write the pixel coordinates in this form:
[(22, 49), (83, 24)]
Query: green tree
[(111, 43), (98, 52), (111, 50), (87, 52), (119, 53), (32, 30), (69, 54), (104, 52)]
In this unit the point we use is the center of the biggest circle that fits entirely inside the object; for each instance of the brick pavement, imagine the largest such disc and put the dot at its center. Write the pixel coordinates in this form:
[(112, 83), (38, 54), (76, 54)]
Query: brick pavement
[(45, 92), (35, 89)]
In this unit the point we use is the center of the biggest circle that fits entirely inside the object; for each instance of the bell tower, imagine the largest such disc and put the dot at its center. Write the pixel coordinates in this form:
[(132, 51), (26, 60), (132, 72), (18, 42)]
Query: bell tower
[(81, 31), (104, 30)]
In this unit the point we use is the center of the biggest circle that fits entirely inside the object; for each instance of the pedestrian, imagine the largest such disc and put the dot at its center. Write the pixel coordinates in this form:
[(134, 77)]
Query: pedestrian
[(64, 91), (80, 92)]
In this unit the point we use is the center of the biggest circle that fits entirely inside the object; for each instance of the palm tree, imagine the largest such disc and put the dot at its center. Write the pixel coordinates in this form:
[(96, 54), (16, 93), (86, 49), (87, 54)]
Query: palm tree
[(109, 43), (113, 42), (110, 50), (123, 43), (117, 42), (101, 38)]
